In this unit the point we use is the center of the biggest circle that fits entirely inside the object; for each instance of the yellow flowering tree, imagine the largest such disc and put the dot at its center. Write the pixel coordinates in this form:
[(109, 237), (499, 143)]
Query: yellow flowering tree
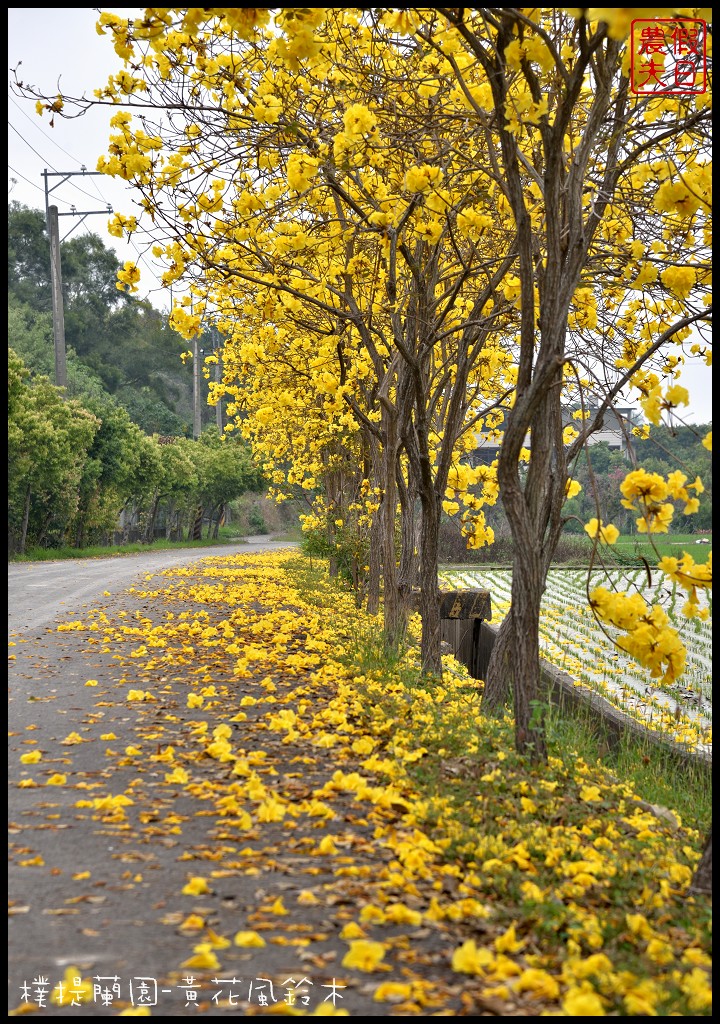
[(580, 161), (414, 226)]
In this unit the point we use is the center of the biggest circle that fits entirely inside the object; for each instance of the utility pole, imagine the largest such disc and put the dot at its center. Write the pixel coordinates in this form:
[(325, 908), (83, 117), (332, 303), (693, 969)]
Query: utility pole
[(217, 349), (57, 297), (51, 219), (197, 414)]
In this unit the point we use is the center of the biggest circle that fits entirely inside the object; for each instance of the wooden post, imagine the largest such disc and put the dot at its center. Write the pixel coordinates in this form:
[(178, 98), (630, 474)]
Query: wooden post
[(462, 613), (57, 298)]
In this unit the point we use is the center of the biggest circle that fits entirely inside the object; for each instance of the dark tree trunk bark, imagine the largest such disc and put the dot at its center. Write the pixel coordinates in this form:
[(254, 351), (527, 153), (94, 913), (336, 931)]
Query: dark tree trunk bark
[(701, 884), (409, 540), (196, 527), (25, 521), (429, 590), (395, 610), (152, 516), (499, 674), (526, 596)]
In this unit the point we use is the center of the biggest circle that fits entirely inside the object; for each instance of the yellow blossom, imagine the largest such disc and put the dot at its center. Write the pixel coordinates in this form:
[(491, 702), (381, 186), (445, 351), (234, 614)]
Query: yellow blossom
[(364, 955), (197, 886)]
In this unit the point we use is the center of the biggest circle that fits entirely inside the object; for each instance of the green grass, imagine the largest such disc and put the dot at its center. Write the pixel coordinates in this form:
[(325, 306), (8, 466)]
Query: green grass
[(655, 776), (673, 544)]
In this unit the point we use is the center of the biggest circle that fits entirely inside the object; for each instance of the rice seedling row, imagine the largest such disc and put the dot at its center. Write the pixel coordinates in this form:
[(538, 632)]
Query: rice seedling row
[(573, 641)]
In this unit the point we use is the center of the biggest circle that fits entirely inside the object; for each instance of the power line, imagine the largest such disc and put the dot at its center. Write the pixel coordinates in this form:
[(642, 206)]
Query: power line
[(48, 164), (37, 127), (140, 258), (24, 140), (31, 183)]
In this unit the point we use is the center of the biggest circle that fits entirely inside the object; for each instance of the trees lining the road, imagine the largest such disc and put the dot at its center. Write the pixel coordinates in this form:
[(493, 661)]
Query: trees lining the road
[(413, 227), (75, 472)]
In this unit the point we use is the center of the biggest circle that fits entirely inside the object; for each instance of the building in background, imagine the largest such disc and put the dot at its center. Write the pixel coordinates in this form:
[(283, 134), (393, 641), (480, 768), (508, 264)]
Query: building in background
[(615, 431)]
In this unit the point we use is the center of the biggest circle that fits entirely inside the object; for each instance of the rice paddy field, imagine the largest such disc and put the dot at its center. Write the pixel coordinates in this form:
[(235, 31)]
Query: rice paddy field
[(573, 641)]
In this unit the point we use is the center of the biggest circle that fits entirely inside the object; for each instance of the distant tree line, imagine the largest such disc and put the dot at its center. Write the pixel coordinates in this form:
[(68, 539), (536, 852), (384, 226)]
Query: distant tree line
[(81, 475), (666, 450), (116, 344), (87, 464)]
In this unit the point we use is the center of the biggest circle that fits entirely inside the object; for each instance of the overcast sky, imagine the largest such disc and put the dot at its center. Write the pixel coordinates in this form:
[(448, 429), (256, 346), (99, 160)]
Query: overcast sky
[(60, 49)]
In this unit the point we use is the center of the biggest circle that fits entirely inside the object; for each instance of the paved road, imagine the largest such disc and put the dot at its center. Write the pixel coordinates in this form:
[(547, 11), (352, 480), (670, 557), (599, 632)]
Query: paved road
[(110, 923), (39, 592)]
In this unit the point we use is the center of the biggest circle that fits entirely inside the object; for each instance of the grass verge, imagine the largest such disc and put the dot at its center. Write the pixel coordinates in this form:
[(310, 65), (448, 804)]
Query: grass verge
[(583, 863)]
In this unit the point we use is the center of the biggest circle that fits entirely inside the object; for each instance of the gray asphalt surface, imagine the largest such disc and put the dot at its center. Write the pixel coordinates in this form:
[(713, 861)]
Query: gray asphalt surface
[(99, 906), (96, 898), (40, 592)]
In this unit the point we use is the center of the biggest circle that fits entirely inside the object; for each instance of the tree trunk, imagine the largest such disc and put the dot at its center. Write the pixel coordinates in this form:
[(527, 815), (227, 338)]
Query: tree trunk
[(499, 675), (409, 540), (701, 884), (152, 516), (395, 610), (374, 566), (196, 528), (517, 658), (25, 521), (525, 597), (428, 578)]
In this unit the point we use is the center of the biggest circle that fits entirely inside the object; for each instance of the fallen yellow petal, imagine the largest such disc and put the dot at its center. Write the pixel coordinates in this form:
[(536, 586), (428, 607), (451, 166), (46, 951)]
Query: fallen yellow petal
[(248, 940), (197, 886)]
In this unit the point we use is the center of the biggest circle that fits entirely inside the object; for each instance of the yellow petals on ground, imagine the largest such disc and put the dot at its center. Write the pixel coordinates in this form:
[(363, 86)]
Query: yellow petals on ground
[(582, 1002), (372, 915), (204, 958), (364, 955), (217, 941), (71, 739), (73, 987), (249, 940), (539, 983), (197, 886), (193, 922), (508, 943), (398, 913), (392, 991), (307, 898), (639, 926), (58, 779), (327, 846), (411, 878), (270, 810), (471, 959)]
